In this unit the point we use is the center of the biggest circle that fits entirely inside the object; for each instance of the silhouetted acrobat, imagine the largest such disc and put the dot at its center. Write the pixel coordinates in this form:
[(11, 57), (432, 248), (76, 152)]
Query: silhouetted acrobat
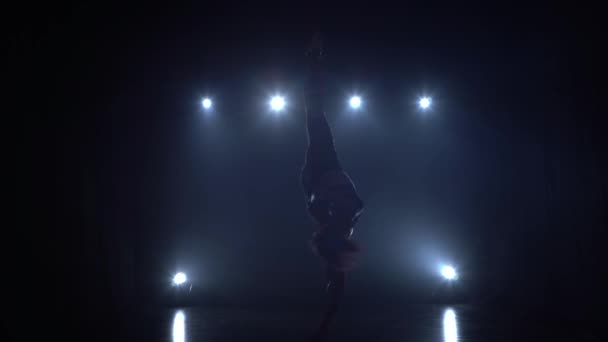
[(332, 199)]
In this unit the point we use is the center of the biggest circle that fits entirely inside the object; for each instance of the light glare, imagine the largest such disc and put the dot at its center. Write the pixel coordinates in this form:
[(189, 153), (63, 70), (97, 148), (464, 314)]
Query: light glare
[(448, 272), (277, 103), (355, 102), (207, 103), (425, 102), (179, 278)]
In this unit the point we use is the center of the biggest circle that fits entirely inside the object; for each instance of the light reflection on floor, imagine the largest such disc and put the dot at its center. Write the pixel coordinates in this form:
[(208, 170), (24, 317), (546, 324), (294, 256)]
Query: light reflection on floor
[(434, 323), (179, 326), (450, 326), (420, 323)]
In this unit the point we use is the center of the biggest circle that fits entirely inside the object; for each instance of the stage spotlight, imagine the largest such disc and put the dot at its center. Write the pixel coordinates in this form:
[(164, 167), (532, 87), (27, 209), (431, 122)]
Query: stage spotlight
[(448, 272), (179, 278), (207, 103), (355, 102), (425, 102), (277, 103)]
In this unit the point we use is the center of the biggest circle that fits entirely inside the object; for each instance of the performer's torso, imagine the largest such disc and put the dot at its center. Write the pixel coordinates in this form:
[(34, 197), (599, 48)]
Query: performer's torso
[(335, 200)]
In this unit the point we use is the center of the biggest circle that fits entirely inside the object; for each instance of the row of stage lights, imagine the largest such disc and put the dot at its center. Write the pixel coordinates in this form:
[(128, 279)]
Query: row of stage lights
[(448, 272), (278, 103)]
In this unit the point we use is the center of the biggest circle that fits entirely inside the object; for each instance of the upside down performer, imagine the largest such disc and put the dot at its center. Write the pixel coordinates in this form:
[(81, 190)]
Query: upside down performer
[(332, 199)]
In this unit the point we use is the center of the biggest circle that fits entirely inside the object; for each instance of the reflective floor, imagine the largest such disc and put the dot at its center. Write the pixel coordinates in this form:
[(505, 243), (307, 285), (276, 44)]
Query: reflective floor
[(422, 323)]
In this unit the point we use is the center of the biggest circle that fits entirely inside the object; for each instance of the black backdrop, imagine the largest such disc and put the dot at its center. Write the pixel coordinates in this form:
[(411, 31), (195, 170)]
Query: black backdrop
[(126, 180)]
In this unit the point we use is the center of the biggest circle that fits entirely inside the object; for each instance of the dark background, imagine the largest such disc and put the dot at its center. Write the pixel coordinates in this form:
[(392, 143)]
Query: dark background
[(128, 180)]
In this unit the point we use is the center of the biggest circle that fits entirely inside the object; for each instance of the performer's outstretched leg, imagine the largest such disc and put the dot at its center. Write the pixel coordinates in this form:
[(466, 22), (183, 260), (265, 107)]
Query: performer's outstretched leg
[(331, 196), (321, 156)]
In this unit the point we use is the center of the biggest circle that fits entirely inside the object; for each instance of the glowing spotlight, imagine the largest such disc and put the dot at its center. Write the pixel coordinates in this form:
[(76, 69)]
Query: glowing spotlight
[(448, 272), (355, 102), (450, 327), (424, 102), (179, 278), (179, 327), (277, 103), (207, 103)]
